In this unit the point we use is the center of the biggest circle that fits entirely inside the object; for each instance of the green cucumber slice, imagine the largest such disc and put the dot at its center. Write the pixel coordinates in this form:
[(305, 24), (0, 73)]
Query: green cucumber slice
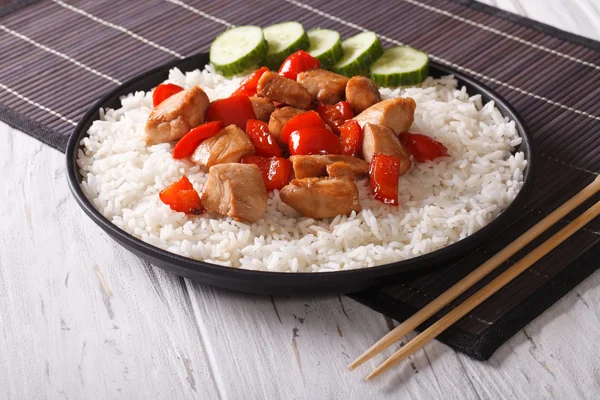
[(326, 46), (360, 51), (400, 66), (284, 39), (238, 49)]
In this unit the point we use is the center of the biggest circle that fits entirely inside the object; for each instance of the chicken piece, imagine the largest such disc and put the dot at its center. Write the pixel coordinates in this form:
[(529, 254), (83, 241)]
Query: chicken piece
[(382, 139), (324, 86), (321, 197), (235, 190), (175, 116), (397, 113), (340, 170), (316, 165), (278, 119), (284, 90), (362, 93), (262, 108), (227, 146)]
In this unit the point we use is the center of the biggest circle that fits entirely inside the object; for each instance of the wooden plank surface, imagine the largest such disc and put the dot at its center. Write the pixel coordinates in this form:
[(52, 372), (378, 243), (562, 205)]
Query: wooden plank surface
[(82, 318)]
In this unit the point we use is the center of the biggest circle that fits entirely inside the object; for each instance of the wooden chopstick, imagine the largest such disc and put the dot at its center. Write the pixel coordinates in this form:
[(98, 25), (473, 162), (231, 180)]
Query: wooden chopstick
[(512, 272), (464, 284)]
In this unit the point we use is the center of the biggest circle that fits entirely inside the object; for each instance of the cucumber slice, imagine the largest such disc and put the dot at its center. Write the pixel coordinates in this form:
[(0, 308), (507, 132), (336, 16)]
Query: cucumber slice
[(326, 46), (284, 39), (400, 66), (360, 52), (237, 49)]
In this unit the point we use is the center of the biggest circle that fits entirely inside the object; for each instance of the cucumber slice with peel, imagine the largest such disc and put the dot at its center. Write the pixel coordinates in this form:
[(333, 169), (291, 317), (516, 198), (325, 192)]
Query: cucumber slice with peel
[(360, 51), (238, 49), (284, 39), (400, 66), (326, 46)]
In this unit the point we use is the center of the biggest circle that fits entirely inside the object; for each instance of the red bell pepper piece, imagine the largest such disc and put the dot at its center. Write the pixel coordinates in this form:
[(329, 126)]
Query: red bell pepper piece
[(298, 62), (305, 120), (314, 140), (187, 144), (351, 136), (276, 171), (182, 197), (258, 132), (423, 147), (232, 110), (384, 172), (163, 92), (248, 85), (335, 115)]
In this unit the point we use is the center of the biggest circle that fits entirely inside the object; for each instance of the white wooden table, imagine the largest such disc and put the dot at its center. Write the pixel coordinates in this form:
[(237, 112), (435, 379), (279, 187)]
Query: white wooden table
[(82, 318)]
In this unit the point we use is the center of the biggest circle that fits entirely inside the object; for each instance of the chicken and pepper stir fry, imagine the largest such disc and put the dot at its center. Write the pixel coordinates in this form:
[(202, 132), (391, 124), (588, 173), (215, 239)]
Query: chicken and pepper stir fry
[(304, 131)]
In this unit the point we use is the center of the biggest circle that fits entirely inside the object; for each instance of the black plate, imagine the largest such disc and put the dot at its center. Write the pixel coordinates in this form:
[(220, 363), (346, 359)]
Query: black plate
[(277, 282)]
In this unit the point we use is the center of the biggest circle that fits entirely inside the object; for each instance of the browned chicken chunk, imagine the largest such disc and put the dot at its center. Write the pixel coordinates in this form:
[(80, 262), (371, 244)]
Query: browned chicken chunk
[(382, 139), (278, 119), (316, 165), (235, 190), (284, 90), (324, 86), (227, 146), (362, 93), (397, 113), (340, 170), (321, 197), (175, 116), (262, 108)]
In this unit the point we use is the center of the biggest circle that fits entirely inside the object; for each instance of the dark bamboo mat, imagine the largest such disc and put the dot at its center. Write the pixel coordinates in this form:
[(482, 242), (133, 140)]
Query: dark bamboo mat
[(59, 57)]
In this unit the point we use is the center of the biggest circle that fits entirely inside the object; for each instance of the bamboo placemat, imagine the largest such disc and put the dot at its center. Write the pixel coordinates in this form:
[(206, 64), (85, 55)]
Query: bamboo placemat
[(59, 57)]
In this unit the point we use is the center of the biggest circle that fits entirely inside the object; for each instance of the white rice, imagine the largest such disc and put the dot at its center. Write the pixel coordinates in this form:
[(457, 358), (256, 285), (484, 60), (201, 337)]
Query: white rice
[(441, 202)]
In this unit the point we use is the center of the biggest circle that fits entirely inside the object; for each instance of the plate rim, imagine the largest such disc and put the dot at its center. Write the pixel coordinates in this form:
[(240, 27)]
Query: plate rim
[(198, 267)]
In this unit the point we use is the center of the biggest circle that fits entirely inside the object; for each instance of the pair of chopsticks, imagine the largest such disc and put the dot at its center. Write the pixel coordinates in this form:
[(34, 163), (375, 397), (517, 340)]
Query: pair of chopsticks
[(468, 305)]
